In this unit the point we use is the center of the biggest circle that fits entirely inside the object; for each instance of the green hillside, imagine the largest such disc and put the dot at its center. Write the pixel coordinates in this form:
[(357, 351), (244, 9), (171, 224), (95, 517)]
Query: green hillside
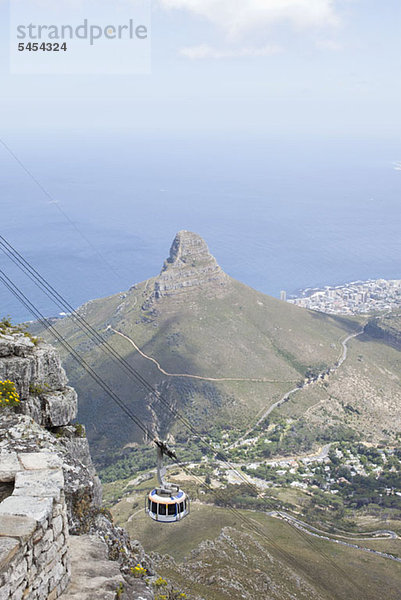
[(364, 395), (224, 354), (214, 555), (225, 351)]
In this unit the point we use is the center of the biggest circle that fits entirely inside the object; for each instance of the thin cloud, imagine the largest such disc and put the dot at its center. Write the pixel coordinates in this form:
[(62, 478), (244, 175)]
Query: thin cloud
[(248, 26), (204, 51), (329, 45), (241, 17)]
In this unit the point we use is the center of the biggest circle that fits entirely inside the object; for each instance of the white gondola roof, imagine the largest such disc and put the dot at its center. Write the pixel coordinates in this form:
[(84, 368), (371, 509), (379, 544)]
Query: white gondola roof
[(179, 496)]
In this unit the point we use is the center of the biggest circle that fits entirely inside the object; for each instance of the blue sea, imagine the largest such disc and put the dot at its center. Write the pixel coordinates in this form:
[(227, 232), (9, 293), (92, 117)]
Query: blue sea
[(278, 214)]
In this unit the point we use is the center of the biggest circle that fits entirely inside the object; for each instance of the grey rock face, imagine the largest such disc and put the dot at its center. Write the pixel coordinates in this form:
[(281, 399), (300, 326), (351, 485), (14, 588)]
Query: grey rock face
[(40, 380), (47, 403), (15, 345), (93, 575), (83, 491), (43, 438), (189, 266), (27, 364), (120, 547), (52, 409)]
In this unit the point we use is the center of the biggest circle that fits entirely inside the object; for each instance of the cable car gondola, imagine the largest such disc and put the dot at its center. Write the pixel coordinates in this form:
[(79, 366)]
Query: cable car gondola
[(167, 503)]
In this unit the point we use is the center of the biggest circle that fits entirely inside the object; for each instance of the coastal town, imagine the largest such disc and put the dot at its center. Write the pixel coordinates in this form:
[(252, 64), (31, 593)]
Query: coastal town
[(358, 297)]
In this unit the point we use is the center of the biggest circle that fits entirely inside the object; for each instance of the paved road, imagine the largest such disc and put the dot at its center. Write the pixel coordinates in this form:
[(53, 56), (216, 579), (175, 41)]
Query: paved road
[(304, 385), (345, 346), (379, 534), (322, 535)]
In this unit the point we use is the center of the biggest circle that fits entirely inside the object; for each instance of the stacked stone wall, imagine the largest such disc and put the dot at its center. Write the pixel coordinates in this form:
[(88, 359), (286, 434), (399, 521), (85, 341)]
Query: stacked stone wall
[(34, 558)]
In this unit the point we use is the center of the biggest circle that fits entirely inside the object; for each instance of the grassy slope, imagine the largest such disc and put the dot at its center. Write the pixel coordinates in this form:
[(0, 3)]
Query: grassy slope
[(291, 563), (369, 382), (242, 334)]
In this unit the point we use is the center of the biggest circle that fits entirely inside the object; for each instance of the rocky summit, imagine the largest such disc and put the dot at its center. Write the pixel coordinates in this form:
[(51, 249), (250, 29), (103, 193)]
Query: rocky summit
[(190, 266), (304, 403), (217, 349)]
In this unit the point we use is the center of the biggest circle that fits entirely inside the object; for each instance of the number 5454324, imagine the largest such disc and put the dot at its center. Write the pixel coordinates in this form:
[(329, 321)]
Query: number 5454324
[(44, 47)]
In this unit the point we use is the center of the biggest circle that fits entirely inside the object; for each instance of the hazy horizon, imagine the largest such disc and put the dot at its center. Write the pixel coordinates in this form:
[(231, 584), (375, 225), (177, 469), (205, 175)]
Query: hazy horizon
[(277, 214), (272, 130)]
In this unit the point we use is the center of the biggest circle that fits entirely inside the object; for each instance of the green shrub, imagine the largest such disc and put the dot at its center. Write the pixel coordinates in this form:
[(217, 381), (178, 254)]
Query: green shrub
[(37, 390), (80, 430)]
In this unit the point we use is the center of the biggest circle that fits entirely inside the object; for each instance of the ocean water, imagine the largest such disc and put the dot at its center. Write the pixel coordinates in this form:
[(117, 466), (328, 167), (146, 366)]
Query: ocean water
[(278, 214)]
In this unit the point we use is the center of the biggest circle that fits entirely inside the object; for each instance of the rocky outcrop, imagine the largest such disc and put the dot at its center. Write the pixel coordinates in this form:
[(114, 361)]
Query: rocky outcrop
[(37, 436), (190, 266), (95, 576), (42, 420), (41, 382)]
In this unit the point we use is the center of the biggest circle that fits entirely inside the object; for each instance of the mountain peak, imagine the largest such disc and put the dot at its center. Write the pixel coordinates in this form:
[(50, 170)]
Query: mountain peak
[(188, 248), (189, 266)]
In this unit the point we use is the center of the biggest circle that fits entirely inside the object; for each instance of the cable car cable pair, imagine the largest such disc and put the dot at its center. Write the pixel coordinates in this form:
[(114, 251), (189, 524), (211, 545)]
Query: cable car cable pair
[(25, 301), (168, 503), (36, 313), (51, 293)]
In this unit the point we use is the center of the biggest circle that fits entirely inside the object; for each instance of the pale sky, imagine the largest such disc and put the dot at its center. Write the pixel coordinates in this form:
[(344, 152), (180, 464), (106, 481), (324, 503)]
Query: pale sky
[(253, 67), (257, 115)]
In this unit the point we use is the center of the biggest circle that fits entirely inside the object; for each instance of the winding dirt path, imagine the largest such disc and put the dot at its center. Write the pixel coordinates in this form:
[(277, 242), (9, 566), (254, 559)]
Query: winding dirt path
[(164, 372)]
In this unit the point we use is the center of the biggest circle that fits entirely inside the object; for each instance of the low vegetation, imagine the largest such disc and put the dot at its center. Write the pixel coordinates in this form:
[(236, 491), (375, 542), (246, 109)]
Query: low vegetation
[(214, 555), (8, 394), (325, 456), (8, 328)]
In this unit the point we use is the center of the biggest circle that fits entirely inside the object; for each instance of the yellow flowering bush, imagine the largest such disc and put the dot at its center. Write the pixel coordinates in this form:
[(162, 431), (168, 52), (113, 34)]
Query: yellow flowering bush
[(138, 571), (171, 595), (168, 592), (8, 393)]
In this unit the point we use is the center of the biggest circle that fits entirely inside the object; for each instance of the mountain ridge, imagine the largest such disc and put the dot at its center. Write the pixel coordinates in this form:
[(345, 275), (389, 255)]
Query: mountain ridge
[(194, 319)]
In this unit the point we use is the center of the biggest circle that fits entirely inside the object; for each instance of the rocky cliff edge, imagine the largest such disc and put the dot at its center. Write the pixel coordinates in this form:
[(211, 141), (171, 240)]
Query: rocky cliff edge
[(41, 422)]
